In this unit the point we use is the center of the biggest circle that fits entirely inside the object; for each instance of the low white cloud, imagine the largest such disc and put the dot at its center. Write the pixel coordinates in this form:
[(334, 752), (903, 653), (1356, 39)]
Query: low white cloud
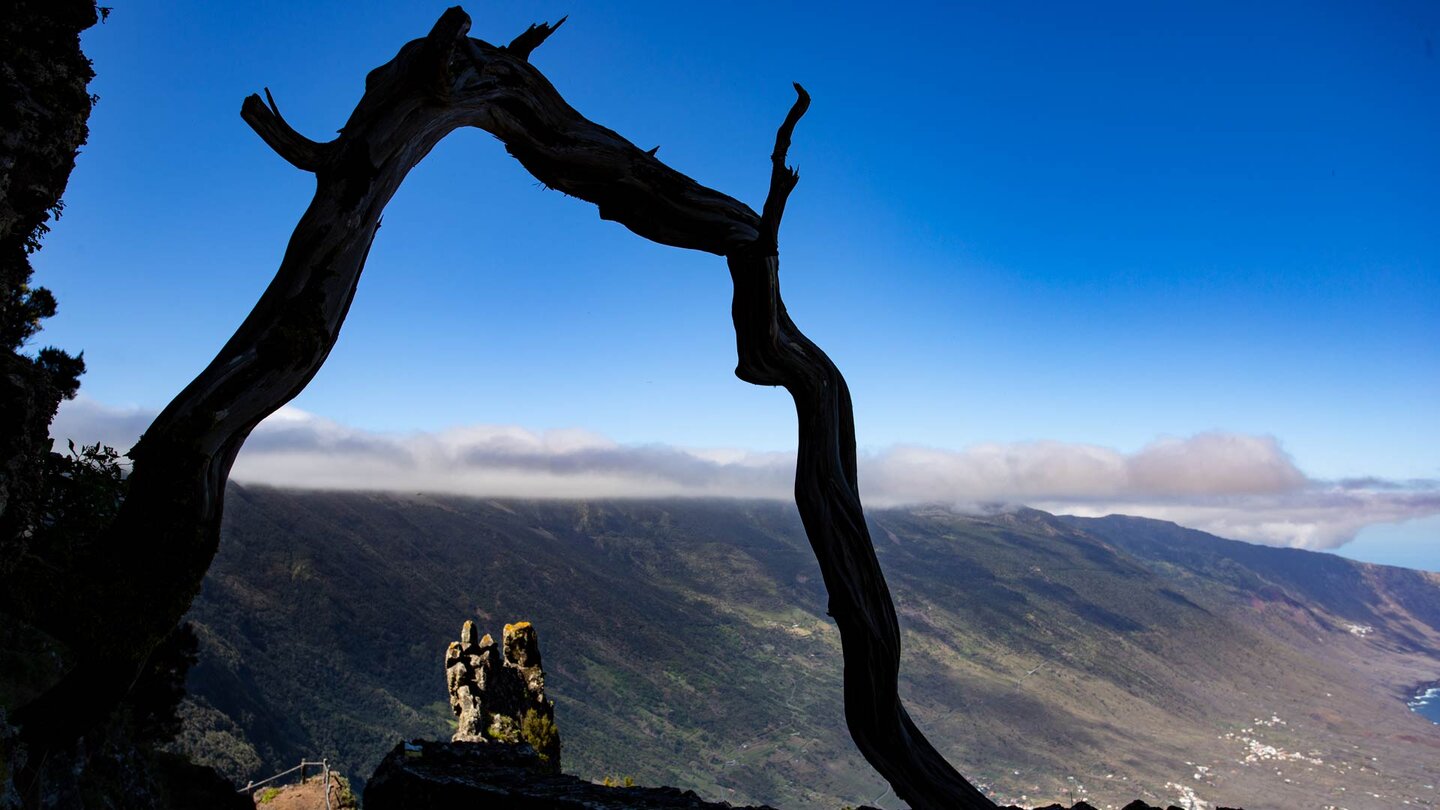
[(1322, 516), (1208, 464), (1233, 485), (293, 448)]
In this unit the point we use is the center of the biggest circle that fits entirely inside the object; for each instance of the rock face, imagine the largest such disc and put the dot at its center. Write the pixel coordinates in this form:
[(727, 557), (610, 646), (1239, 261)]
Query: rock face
[(1135, 805), (497, 692), (438, 774), (511, 775)]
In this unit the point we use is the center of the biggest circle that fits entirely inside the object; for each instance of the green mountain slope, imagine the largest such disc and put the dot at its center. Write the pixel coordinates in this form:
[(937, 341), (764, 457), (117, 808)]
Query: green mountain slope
[(686, 643)]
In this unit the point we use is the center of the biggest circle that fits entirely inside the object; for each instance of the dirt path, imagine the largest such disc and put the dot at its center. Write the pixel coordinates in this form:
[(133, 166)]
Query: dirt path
[(307, 796)]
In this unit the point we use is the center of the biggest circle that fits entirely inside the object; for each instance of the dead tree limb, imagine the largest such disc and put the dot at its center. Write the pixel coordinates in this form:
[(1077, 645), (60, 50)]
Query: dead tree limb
[(773, 351), (160, 546)]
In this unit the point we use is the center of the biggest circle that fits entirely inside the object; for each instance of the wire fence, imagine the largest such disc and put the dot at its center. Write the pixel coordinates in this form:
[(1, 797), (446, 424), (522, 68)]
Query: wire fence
[(323, 765)]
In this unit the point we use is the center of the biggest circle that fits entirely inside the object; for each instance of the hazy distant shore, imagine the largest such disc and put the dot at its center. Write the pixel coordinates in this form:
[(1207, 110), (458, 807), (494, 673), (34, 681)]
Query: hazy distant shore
[(1424, 700)]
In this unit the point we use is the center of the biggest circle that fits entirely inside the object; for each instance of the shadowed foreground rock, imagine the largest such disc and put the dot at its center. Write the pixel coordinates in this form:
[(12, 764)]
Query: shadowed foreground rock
[(1135, 804), (511, 775)]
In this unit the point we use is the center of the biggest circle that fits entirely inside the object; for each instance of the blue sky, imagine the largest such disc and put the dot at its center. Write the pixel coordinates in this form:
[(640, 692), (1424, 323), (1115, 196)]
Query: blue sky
[(1091, 225)]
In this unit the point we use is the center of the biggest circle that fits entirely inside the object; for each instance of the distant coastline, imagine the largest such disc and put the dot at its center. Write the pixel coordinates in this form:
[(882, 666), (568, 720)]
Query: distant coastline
[(1424, 700)]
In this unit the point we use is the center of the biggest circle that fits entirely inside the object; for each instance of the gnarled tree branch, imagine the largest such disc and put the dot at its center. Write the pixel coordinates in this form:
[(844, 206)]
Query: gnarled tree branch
[(773, 351), (159, 548), (264, 117), (533, 37)]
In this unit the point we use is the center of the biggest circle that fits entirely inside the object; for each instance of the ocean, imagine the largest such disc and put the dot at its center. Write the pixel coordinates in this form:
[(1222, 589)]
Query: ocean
[(1427, 704)]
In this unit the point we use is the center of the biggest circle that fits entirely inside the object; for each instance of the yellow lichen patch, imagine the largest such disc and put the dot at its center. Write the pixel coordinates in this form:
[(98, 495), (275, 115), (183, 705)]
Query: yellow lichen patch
[(516, 627), (486, 641)]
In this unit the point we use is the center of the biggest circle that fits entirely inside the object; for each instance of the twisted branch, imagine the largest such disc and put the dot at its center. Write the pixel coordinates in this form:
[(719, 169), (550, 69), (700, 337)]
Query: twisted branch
[(264, 117), (533, 37), (773, 351), (154, 557)]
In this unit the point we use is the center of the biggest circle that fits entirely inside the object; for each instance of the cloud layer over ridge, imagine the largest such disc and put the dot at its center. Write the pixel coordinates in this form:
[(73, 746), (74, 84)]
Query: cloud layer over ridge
[(1234, 485)]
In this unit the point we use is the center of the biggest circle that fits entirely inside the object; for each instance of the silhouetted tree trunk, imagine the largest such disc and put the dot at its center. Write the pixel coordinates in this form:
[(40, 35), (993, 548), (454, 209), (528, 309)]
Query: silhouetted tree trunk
[(773, 351), (166, 534)]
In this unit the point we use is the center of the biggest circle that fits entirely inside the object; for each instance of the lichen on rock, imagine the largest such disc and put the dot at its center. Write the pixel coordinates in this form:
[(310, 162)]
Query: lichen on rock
[(497, 691)]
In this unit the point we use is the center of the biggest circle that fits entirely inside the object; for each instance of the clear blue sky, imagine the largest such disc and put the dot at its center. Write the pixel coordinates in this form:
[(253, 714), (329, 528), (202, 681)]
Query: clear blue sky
[(1095, 223)]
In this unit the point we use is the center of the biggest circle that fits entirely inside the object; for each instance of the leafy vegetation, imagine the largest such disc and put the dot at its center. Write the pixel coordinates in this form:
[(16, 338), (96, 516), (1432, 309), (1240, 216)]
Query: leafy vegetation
[(214, 740), (503, 729), (344, 796), (540, 732), (618, 781), (82, 493), (44, 106)]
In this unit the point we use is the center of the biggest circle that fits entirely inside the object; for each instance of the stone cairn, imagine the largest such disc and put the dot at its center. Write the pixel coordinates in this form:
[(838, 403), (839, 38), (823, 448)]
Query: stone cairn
[(497, 692)]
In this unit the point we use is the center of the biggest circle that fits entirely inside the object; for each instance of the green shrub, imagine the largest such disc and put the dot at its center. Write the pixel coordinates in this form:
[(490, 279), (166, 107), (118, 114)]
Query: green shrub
[(539, 730), (268, 795), (344, 795)]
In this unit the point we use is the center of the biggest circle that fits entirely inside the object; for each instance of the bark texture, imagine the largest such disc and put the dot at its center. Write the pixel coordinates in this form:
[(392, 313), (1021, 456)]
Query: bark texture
[(166, 534)]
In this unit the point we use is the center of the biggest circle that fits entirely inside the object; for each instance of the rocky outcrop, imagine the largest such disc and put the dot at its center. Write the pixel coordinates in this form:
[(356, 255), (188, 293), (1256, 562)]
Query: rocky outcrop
[(497, 691), (506, 749), (510, 775)]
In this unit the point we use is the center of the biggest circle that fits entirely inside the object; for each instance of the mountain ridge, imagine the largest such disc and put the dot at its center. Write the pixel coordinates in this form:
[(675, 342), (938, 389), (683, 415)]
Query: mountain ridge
[(686, 640)]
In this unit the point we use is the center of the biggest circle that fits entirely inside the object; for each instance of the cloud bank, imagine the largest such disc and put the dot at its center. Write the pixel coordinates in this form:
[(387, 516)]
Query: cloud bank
[(1233, 485)]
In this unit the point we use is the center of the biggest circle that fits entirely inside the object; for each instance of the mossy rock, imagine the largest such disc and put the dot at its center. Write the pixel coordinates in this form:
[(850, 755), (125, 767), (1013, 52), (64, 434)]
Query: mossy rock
[(503, 729)]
